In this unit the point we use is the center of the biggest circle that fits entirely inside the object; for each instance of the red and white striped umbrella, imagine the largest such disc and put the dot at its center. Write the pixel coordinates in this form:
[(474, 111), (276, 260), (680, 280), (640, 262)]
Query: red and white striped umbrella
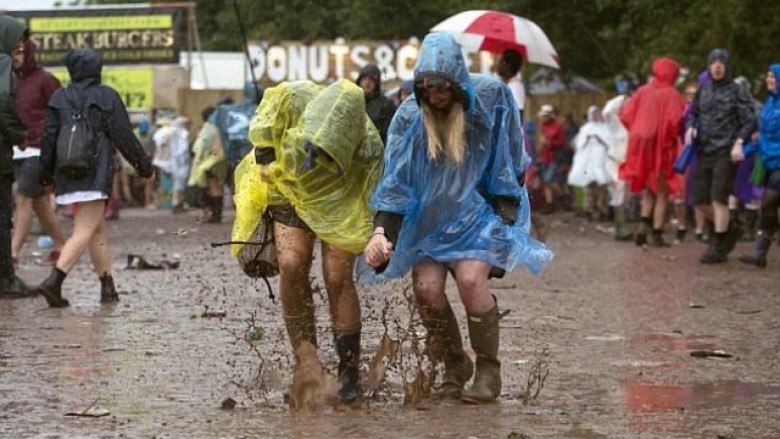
[(495, 32)]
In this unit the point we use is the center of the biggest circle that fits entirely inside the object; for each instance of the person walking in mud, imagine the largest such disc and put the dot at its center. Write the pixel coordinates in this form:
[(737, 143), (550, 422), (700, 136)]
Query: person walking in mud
[(317, 158), (452, 198), (769, 154), (722, 118), (87, 185), (13, 34), (34, 89), (653, 118)]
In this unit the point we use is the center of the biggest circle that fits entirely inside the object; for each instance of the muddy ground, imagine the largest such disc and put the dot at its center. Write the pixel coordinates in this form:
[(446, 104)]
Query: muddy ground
[(613, 325)]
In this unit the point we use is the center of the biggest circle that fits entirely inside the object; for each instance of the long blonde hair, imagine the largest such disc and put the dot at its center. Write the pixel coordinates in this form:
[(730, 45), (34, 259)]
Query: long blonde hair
[(446, 132)]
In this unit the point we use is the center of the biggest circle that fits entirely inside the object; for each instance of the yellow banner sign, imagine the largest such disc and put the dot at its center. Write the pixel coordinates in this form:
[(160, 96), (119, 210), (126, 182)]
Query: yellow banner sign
[(135, 86), (118, 22)]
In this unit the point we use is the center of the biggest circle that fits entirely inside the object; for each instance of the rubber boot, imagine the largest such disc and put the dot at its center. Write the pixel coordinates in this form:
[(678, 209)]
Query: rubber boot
[(51, 289), (14, 288), (645, 225), (621, 234), (348, 349), (108, 292), (751, 219), (716, 253), (657, 239), (215, 206), (733, 235), (484, 333), (445, 344), (761, 248)]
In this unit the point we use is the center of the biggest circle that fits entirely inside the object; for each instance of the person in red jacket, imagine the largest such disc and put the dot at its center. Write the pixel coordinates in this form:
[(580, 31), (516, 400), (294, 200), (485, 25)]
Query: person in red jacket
[(34, 88), (552, 142), (653, 118)]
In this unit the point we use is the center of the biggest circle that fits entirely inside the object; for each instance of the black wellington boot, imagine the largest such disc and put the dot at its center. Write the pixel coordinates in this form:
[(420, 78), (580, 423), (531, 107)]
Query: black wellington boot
[(108, 292), (348, 349), (51, 289), (758, 256)]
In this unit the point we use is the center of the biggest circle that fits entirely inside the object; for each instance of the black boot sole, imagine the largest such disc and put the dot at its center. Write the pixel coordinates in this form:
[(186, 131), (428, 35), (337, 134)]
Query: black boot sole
[(54, 301)]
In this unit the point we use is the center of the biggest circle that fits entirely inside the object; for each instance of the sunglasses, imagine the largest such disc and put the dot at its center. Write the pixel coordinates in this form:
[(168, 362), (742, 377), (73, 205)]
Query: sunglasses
[(436, 83)]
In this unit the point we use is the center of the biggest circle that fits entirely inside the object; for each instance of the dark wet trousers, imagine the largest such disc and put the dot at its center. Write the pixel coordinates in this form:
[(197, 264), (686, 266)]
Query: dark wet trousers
[(6, 214)]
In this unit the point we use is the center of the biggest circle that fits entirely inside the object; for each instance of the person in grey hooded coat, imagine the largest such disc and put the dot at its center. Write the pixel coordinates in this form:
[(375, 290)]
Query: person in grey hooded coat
[(108, 119)]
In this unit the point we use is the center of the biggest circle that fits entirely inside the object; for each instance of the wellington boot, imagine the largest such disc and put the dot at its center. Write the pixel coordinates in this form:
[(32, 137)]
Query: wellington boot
[(15, 288), (484, 332), (621, 234), (716, 253), (348, 348), (758, 256), (445, 344), (108, 292), (51, 289)]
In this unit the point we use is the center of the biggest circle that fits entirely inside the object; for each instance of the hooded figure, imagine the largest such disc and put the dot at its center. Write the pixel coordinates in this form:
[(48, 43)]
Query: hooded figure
[(449, 198), (232, 121), (652, 117), (379, 108), (722, 119), (34, 88), (769, 153), (12, 132), (318, 157), (107, 117), (590, 157)]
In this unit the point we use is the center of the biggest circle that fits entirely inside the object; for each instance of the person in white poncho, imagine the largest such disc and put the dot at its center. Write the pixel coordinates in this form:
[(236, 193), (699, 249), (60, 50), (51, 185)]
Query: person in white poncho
[(616, 155), (589, 169)]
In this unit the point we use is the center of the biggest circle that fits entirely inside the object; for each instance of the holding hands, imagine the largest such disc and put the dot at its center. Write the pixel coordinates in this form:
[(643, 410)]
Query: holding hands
[(379, 248)]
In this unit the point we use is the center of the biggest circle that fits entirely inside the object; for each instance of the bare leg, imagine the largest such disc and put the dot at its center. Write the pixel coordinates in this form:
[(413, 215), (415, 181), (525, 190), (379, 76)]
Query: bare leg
[(45, 211), (24, 212), (100, 250), (721, 216), (294, 249), (472, 277), (428, 280), (88, 218), (337, 268), (659, 209)]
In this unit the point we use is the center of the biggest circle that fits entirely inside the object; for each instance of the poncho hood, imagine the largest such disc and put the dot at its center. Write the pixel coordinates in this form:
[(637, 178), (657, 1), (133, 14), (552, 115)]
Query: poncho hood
[(440, 55), (665, 72)]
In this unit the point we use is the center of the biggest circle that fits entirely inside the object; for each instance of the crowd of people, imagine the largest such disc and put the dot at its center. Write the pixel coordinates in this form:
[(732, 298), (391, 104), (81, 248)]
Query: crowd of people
[(444, 182), (701, 159)]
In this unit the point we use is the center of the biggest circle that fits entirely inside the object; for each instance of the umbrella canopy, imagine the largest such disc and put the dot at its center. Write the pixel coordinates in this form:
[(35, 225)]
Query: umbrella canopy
[(495, 32)]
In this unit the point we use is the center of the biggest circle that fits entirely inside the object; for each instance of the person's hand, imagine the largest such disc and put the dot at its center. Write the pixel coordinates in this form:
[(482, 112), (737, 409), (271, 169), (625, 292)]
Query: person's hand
[(690, 135), (737, 154), (378, 250)]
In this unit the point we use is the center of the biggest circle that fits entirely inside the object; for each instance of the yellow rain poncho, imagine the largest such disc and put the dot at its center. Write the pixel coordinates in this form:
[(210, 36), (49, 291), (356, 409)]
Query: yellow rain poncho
[(328, 160), (207, 162)]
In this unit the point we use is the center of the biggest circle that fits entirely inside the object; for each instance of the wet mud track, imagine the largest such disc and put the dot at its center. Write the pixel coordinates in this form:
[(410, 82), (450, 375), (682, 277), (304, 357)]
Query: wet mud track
[(615, 324)]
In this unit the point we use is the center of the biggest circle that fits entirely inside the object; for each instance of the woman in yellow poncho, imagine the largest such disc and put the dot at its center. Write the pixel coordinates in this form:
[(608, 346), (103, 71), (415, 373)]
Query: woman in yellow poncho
[(317, 159)]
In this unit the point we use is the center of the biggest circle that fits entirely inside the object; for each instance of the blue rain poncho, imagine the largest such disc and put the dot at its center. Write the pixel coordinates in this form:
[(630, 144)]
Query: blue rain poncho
[(232, 120), (446, 208)]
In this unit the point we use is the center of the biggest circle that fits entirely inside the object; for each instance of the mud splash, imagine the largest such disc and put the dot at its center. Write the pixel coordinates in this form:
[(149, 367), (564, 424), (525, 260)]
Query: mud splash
[(312, 388)]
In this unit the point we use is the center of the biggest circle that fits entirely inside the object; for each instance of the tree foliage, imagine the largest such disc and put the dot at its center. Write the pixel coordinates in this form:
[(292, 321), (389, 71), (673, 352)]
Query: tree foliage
[(595, 38)]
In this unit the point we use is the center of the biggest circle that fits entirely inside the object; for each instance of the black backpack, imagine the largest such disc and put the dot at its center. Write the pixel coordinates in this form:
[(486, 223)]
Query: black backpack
[(76, 144)]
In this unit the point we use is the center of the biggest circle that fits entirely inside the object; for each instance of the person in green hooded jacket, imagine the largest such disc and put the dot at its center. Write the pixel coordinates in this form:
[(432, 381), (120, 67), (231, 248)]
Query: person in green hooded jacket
[(13, 34)]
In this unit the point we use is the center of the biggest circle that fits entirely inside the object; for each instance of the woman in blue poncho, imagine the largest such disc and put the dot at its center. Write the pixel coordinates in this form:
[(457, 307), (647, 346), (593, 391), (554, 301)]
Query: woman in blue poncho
[(451, 198), (769, 152)]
